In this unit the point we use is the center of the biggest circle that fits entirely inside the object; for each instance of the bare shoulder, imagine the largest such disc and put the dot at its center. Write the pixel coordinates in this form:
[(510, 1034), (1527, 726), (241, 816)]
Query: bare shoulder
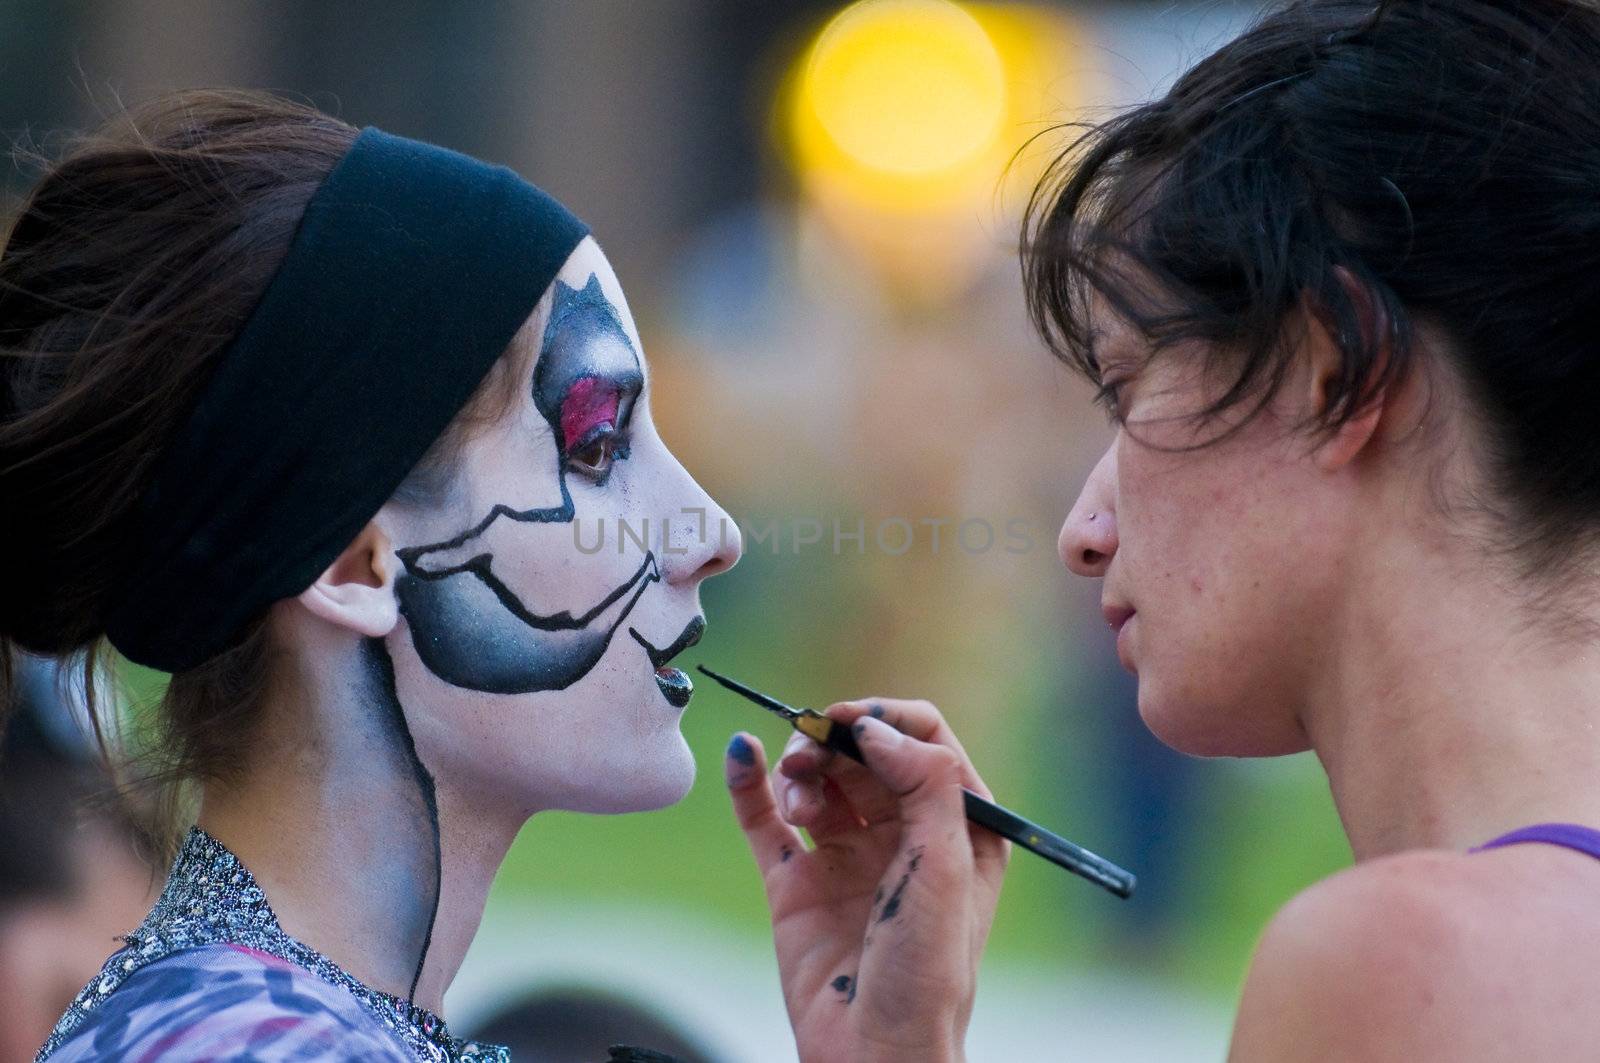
[(1431, 955)]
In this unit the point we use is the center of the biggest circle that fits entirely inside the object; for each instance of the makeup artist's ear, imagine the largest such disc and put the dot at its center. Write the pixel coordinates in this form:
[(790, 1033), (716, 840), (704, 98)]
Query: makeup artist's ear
[(357, 590), (1326, 360)]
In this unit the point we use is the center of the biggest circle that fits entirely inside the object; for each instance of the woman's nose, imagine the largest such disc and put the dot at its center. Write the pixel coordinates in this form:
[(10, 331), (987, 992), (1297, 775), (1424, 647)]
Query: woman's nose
[(1089, 536), (700, 541)]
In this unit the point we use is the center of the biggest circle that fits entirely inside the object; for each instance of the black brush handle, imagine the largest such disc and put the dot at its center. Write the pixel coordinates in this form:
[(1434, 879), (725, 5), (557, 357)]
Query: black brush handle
[(1001, 820), (1053, 847), (842, 739)]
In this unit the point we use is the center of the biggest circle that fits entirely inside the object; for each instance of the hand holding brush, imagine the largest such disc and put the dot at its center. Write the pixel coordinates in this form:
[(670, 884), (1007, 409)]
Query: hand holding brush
[(879, 923), (832, 734)]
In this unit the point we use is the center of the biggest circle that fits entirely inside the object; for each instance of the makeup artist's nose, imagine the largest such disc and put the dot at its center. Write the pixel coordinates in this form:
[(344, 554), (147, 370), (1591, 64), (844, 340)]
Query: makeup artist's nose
[(1088, 538)]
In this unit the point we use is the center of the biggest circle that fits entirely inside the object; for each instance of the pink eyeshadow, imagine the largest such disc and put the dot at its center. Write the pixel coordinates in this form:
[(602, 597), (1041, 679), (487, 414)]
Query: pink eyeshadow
[(590, 401)]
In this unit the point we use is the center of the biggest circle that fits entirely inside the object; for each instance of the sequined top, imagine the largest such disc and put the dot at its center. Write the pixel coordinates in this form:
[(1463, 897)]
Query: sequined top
[(211, 973)]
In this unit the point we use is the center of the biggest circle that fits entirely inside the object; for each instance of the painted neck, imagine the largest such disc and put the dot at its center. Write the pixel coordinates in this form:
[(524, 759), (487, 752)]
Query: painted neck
[(362, 853), (1443, 716)]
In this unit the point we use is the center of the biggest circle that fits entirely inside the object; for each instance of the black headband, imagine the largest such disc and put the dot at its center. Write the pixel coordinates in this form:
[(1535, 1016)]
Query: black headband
[(411, 271)]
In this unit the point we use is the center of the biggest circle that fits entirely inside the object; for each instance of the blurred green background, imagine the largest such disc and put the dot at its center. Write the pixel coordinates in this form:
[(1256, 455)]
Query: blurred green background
[(813, 211)]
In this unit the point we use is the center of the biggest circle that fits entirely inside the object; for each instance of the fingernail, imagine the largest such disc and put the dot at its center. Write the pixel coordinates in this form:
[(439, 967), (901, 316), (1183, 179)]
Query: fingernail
[(741, 758), (788, 797), (740, 750)]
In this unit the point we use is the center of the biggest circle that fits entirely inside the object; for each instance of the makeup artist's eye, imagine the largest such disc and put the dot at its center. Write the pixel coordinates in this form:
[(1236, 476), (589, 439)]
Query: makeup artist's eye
[(599, 450), (1109, 398)]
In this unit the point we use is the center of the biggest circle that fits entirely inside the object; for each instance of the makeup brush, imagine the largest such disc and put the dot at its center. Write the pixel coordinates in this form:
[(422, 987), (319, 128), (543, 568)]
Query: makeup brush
[(985, 813)]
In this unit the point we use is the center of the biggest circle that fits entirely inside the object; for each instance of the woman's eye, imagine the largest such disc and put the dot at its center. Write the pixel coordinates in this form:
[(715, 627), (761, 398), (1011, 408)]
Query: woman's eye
[(1109, 398), (595, 456)]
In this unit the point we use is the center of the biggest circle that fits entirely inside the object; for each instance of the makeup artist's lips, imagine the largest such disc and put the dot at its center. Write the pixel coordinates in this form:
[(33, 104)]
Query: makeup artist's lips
[(675, 684), (1116, 616)]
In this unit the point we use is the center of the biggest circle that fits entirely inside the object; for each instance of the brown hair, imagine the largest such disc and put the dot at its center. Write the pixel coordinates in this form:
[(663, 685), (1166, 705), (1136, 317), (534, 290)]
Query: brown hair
[(130, 265)]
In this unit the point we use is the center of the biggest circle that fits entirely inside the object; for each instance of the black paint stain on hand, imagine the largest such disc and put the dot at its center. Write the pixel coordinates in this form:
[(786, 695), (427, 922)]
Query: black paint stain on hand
[(891, 907), (876, 712), (846, 985), (788, 854)]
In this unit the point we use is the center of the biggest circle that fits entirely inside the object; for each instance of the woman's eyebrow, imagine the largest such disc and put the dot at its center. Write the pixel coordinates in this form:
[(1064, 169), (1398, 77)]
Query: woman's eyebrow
[(1107, 352), (1103, 355)]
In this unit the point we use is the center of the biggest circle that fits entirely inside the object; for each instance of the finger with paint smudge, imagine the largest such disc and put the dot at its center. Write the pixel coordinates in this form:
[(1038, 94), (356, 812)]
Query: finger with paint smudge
[(772, 841), (740, 763)]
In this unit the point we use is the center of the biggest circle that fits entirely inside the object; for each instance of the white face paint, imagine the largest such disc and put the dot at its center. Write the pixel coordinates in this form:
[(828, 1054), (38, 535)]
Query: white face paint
[(527, 660)]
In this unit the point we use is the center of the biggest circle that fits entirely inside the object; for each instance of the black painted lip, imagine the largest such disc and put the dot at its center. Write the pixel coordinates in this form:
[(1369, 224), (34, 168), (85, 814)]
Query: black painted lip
[(676, 686), (659, 658)]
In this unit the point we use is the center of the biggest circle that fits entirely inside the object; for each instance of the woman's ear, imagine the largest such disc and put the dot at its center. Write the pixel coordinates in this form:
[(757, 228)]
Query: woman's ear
[(357, 590), (1326, 361)]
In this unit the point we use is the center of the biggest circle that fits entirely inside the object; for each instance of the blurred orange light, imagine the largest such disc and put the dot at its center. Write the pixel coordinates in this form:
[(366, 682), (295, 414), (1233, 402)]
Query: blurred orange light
[(900, 121), (905, 86)]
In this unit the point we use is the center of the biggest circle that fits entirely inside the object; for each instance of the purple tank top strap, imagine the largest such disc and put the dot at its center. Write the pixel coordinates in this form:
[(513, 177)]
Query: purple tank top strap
[(1567, 835)]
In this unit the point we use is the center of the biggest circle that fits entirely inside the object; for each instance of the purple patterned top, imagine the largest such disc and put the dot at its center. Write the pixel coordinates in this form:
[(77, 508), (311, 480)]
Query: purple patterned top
[(211, 975), (228, 1002)]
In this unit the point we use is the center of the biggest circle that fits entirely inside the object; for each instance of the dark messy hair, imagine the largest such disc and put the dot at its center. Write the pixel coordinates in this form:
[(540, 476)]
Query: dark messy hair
[(1393, 167), (128, 268)]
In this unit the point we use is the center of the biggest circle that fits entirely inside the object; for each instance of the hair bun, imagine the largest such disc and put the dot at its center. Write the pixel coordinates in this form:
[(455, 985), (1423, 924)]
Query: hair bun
[(53, 583), (134, 257)]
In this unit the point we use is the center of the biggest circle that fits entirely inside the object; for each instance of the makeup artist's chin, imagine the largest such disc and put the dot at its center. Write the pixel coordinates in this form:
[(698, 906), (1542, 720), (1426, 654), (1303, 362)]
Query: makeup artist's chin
[(1175, 729), (1212, 715)]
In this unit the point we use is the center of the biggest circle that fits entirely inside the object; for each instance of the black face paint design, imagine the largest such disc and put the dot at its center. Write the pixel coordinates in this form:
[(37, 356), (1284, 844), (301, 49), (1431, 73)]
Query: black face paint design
[(475, 633), (674, 685), (468, 627), (416, 904)]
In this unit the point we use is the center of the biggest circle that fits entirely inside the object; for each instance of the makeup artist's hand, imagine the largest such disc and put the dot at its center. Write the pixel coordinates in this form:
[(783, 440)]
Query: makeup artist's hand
[(880, 925)]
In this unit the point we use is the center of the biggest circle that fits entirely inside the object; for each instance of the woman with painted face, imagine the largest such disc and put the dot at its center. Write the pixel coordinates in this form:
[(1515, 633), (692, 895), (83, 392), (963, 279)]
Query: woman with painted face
[(1339, 290), (306, 416)]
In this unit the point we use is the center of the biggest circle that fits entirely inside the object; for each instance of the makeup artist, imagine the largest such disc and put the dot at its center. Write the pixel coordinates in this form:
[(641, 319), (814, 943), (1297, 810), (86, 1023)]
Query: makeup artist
[(1339, 290)]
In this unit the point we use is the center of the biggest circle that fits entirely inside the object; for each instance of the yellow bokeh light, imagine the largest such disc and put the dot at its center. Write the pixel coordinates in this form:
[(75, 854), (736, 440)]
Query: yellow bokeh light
[(902, 120), (906, 86)]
